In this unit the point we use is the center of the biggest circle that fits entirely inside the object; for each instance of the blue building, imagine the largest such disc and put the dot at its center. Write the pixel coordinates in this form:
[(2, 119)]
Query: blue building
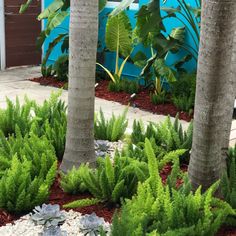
[(109, 59)]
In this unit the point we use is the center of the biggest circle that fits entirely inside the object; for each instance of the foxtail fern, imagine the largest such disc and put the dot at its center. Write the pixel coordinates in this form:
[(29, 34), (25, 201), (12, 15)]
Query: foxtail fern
[(112, 129), (159, 209)]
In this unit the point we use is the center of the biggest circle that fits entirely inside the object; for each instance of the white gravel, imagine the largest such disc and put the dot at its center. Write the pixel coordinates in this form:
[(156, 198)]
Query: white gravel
[(25, 227)]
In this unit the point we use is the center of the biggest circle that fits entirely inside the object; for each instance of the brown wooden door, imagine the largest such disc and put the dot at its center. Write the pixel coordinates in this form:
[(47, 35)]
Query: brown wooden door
[(22, 31)]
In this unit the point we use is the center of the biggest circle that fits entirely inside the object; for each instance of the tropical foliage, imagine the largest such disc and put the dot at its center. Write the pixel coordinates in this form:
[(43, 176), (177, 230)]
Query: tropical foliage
[(163, 210)]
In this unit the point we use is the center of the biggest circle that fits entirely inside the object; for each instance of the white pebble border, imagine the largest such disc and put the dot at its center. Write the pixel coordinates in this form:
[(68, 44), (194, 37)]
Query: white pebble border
[(25, 227)]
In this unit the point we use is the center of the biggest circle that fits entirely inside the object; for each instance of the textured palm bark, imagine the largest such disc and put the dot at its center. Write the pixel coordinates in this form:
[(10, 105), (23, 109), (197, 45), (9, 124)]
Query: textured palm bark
[(81, 95), (214, 78), (230, 98)]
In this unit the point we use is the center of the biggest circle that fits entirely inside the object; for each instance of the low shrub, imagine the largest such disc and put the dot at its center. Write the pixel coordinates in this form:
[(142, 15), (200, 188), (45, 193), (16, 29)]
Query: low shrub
[(228, 184), (159, 209), (37, 150), (229, 179), (48, 119), (124, 85), (158, 98), (168, 136), (60, 68), (138, 152), (112, 129), (15, 114), (184, 86), (20, 190), (72, 182), (183, 92), (184, 103), (112, 182)]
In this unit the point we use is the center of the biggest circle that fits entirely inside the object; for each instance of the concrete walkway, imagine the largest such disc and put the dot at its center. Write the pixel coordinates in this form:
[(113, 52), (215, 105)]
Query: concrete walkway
[(14, 82)]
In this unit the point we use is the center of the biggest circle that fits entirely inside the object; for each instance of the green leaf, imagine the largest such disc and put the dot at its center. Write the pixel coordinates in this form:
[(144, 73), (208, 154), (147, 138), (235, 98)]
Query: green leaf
[(54, 20), (121, 7), (52, 8), (171, 10), (163, 70), (118, 34), (82, 203), (140, 59), (149, 24), (102, 4), (25, 6), (179, 35)]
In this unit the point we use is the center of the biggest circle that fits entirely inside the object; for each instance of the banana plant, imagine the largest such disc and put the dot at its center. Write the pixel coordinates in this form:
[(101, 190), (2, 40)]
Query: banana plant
[(55, 14), (150, 31), (190, 17), (118, 40)]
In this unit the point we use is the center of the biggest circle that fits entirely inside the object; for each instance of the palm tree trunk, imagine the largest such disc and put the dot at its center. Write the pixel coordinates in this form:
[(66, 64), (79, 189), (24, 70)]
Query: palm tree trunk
[(230, 98), (214, 78), (82, 64)]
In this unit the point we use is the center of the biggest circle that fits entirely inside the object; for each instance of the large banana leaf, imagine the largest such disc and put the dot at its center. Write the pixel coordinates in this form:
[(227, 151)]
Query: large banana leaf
[(118, 34), (140, 59), (25, 6), (51, 9), (55, 19), (179, 35), (52, 45), (164, 71), (121, 7), (149, 23)]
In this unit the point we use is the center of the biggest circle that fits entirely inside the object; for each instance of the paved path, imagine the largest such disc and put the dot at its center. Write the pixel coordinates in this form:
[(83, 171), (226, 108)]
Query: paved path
[(14, 82)]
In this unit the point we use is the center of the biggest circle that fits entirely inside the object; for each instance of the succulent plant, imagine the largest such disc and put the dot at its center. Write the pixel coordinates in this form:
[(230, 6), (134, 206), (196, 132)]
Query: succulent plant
[(101, 148), (91, 225), (48, 215), (102, 145)]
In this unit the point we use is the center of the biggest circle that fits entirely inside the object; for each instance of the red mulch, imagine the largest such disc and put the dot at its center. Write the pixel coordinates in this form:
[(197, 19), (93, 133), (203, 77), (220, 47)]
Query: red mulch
[(48, 81), (142, 100), (57, 196)]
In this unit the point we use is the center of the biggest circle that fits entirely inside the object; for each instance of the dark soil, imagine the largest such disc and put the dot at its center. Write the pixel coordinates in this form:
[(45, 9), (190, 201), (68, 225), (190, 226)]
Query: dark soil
[(142, 99)]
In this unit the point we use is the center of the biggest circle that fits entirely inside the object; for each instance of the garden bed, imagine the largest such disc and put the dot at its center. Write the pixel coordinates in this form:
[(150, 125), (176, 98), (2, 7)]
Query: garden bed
[(133, 163), (58, 196), (142, 99)]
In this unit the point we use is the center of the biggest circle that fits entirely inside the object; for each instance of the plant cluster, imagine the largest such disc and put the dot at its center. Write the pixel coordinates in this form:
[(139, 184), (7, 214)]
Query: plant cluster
[(159, 98), (183, 92), (72, 182), (110, 182), (48, 215), (47, 120), (28, 162), (229, 179), (124, 85), (21, 189), (55, 14), (16, 114), (93, 225), (162, 210), (228, 184), (112, 129), (165, 136), (30, 147)]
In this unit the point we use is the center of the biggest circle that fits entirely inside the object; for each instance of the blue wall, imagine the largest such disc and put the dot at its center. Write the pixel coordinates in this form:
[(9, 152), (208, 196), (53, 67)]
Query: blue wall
[(129, 70)]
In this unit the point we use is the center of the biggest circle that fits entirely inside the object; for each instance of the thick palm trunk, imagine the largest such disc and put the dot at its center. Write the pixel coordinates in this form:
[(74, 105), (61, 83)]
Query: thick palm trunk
[(82, 64), (214, 104)]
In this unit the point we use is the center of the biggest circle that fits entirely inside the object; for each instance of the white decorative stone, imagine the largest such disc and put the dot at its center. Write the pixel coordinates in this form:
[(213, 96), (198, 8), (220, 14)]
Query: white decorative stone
[(25, 227)]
